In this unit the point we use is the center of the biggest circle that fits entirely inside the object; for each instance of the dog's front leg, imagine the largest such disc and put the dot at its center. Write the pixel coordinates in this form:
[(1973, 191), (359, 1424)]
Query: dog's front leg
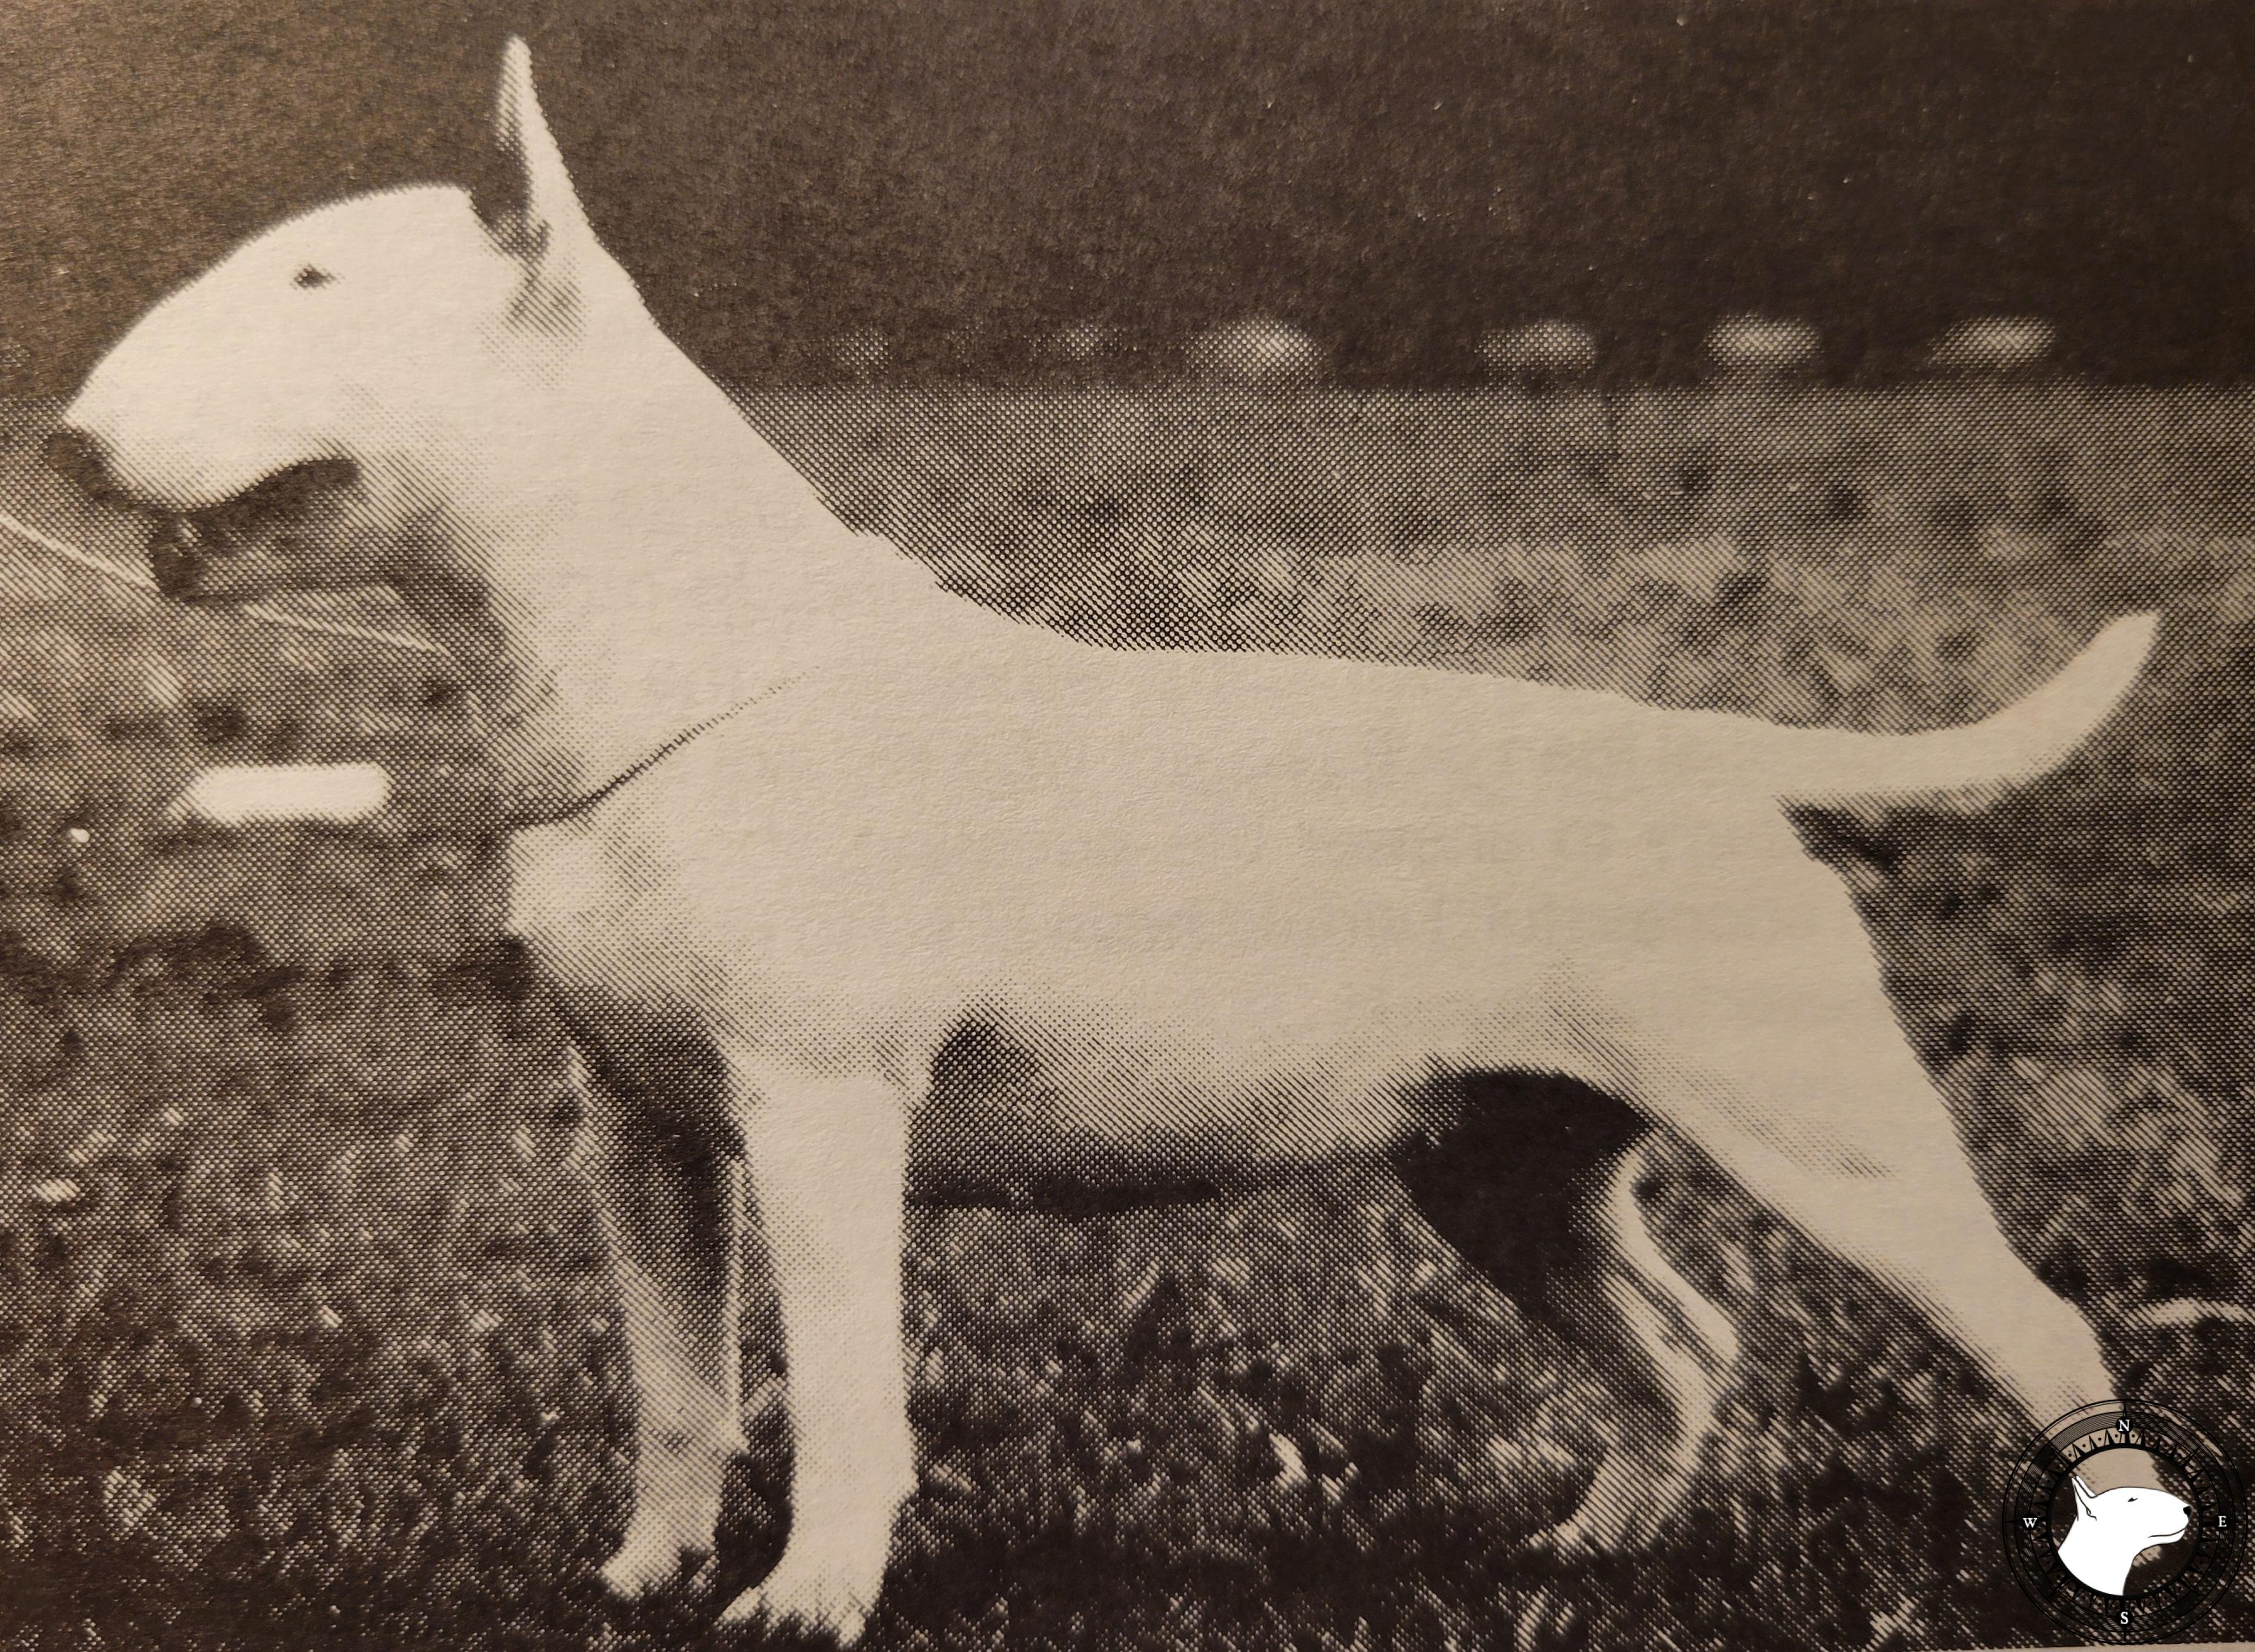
[(828, 1158), (665, 1216)]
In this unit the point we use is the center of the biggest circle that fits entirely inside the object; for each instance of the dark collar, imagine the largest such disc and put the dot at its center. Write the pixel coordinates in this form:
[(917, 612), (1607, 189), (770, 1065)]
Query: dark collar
[(587, 800)]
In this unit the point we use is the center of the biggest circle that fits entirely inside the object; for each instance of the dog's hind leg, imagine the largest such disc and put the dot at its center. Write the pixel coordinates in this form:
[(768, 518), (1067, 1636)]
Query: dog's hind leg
[(1569, 1240), (1664, 1348), (661, 1205), (828, 1158), (1930, 1234), (1772, 1042)]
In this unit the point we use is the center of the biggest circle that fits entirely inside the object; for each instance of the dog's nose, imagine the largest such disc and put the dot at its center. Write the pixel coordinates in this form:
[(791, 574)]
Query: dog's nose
[(77, 459)]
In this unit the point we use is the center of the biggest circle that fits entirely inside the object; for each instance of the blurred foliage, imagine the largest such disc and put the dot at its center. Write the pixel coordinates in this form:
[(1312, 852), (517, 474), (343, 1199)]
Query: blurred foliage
[(304, 1330)]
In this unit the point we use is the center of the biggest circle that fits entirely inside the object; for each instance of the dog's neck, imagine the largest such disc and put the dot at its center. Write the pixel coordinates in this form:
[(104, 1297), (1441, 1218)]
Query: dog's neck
[(650, 563), (2096, 1555)]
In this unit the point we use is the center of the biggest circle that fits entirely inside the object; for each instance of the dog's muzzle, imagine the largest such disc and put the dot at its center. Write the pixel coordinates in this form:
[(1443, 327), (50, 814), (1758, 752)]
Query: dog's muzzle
[(176, 558), (273, 515), (276, 517)]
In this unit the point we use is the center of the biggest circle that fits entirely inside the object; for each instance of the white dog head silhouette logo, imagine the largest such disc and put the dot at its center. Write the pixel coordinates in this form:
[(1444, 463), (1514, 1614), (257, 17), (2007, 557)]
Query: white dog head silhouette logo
[(2086, 1504), (2114, 1528)]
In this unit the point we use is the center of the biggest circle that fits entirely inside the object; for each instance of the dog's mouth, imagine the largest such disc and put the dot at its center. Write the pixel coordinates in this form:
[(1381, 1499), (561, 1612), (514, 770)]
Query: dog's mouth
[(279, 515), (204, 553)]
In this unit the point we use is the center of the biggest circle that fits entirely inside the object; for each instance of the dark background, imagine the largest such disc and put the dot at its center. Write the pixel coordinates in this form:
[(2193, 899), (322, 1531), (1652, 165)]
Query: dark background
[(1393, 178)]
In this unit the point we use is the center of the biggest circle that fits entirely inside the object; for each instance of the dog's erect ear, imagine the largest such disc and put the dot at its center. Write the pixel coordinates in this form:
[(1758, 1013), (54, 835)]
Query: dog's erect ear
[(2082, 1495), (525, 196)]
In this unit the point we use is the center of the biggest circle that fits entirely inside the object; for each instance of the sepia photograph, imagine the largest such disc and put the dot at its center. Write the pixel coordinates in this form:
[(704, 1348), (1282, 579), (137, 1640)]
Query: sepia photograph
[(1140, 825)]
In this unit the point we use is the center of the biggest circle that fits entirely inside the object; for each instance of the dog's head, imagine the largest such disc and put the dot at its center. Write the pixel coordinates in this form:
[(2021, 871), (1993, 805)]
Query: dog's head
[(294, 417), (2131, 1517)]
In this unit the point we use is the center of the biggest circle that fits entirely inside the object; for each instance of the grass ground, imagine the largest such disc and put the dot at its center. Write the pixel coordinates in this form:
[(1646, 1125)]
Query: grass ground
[(304, 1331)]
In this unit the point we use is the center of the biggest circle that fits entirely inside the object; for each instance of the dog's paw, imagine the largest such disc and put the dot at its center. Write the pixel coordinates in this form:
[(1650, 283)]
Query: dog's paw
[(651, 1558), (1633, 1504), (677, 1508), (825, 1588), (1588, 1535)]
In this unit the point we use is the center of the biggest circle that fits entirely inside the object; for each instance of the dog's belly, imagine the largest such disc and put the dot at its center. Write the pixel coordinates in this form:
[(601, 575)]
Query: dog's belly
[(1014, 1102), (1199, 1060)]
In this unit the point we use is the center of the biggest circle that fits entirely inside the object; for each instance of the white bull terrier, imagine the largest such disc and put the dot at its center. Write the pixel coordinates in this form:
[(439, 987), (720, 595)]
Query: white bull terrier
[(2114, 1528), (819, 855)]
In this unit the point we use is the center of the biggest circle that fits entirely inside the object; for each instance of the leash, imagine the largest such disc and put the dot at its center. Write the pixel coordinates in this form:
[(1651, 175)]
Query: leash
[(258, 611)]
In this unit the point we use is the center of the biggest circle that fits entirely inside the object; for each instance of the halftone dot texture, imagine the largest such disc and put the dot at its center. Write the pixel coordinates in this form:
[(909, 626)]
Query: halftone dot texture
[(305, 1329), (1261, 352)]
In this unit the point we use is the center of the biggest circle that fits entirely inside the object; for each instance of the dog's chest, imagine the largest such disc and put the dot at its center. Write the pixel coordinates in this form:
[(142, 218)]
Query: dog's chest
[(600, 913)]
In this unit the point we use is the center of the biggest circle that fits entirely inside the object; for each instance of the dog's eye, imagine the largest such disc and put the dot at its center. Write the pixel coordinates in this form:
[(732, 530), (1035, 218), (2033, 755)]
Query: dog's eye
[(311, 277)]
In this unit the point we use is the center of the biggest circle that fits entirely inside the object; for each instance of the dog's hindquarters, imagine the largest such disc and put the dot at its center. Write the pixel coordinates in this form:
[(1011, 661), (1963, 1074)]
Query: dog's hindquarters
[(1750, 1015), (1772, 1043)]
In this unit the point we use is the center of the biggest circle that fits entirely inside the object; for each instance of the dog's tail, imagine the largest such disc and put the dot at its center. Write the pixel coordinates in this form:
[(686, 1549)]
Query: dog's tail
[(2030, 737)]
